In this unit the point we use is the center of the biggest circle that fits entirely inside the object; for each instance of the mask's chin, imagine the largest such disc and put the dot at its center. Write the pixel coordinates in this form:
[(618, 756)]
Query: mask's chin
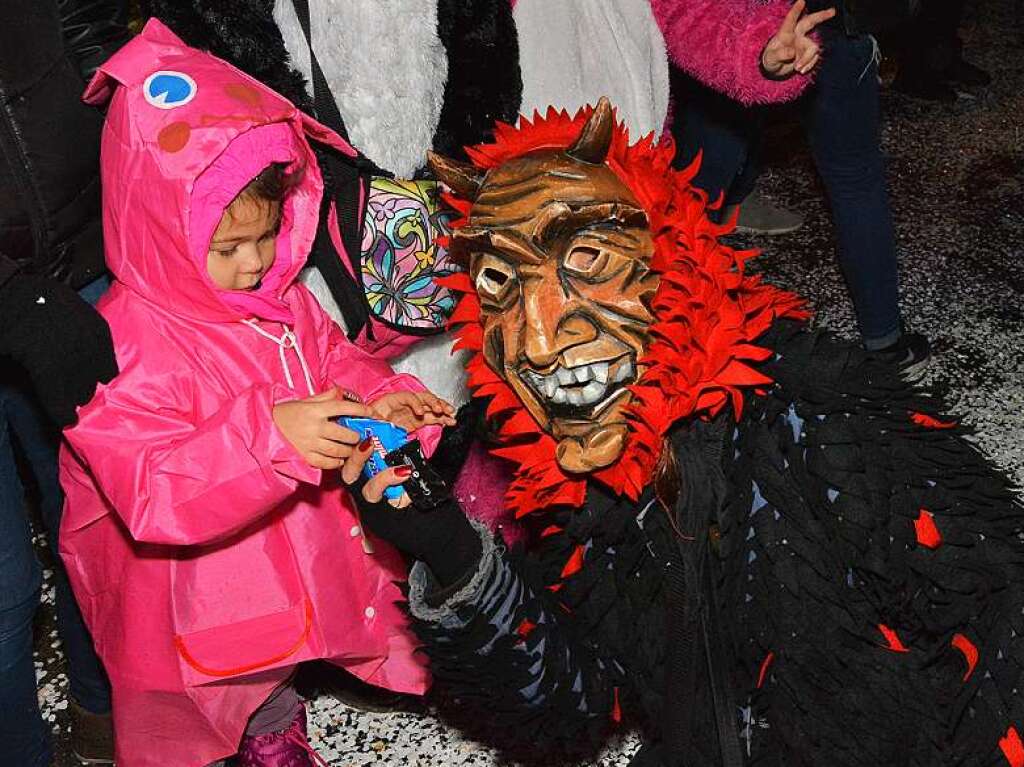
[(597, 449)]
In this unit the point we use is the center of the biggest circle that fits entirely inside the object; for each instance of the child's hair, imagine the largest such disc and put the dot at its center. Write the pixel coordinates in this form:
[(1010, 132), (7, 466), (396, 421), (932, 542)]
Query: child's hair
[(273, 184)]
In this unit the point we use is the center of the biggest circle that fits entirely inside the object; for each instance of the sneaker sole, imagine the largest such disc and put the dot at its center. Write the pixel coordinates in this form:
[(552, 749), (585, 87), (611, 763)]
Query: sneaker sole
[(914, 373), (740, 229), (88, 760)]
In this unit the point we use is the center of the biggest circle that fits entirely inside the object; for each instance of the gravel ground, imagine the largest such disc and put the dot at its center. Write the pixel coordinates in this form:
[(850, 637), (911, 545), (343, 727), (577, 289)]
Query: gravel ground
[(957, 176)]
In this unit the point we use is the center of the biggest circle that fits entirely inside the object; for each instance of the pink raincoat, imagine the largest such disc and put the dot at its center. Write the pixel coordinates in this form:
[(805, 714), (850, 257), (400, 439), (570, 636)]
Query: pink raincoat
[(207, 556)]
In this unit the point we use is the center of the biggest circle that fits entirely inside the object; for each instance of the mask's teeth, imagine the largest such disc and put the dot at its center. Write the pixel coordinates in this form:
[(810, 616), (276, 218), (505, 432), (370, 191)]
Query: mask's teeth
[(600, 372), (624, 372), (564, 376), (593, 392)]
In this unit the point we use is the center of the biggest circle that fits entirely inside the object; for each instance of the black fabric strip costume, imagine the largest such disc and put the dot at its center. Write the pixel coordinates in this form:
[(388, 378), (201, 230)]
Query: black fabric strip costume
[(868, 565)]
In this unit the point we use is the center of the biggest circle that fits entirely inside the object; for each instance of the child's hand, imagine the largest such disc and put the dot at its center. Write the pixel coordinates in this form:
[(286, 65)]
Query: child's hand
[(309, 425), (792, 49), (411, 410)]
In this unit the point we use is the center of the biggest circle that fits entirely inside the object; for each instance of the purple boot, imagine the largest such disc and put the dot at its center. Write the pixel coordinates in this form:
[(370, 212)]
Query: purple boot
[(284, 748)]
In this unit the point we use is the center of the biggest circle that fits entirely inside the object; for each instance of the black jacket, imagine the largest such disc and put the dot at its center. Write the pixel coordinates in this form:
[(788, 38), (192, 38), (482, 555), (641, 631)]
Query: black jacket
[(871, 17), (49, 140), (864, 568)]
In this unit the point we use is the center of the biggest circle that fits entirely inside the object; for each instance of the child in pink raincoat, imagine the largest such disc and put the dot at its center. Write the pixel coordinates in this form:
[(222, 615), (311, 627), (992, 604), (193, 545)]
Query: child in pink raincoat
[(207, 535)]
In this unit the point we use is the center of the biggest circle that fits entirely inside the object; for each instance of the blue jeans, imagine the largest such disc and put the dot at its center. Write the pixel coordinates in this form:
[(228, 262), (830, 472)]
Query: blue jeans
[(841, 119), (725, 133), (24, 737), (843, 122)]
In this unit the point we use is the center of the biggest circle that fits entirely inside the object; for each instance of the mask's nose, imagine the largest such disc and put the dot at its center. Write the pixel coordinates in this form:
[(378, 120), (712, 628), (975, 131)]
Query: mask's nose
[(550, 325)]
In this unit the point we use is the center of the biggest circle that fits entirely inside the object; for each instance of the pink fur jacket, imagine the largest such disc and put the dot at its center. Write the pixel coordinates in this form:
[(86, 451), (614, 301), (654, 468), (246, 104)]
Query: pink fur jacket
[(719, 42)]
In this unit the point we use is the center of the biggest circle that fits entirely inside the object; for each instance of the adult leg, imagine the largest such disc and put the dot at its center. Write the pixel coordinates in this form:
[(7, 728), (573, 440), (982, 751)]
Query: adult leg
[(722, 131), (39, 443), (25, 738), (842, 120), (930, 53)]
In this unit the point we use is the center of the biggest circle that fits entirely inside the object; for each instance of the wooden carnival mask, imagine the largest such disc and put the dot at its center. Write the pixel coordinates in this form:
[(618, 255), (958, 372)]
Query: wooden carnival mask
[(559, 251)]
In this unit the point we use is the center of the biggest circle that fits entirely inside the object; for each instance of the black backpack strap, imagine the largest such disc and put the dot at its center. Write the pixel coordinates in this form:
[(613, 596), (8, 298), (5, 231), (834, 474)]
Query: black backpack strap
[(346, 178)]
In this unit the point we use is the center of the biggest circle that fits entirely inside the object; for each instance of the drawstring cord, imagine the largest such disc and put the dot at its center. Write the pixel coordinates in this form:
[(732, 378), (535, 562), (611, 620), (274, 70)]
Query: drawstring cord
[(876, 58), (287, 341)]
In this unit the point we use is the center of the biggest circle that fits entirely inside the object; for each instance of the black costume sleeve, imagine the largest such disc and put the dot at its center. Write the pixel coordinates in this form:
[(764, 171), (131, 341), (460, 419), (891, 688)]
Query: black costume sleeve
[(541, 660), (502, 644)]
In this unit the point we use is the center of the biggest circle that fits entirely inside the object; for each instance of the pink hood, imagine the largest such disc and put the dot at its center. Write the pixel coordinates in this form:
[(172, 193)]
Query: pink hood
[(185, 132)]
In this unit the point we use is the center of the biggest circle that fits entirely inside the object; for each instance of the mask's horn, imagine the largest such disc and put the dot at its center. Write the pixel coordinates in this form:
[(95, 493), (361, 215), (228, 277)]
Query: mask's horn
[(461, 177), (596, 137)]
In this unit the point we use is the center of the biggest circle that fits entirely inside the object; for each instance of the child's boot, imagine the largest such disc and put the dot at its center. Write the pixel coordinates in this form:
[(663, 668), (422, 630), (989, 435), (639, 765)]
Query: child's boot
[(284, 748)]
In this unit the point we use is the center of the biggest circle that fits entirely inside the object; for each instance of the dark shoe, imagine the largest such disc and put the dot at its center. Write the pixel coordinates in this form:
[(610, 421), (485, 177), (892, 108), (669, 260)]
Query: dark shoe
[(910, 354), (927, 88), (92, 736), (758, 215), (318, 677), (965, 73)]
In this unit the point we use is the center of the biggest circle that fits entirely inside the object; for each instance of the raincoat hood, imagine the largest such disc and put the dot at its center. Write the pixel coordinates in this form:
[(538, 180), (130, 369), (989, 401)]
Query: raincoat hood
[(185, 133)]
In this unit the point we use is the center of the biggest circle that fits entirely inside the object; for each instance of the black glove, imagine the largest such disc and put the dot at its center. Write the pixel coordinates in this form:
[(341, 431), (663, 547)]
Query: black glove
[(62, 342), (432, 529)]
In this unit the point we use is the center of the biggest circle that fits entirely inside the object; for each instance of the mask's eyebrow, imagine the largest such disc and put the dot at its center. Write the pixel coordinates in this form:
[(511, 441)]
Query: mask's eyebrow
[(506, 242), (561, 218)]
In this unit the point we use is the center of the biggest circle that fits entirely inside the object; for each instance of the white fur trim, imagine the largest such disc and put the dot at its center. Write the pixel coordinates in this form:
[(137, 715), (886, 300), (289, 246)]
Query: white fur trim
[(572, 52), (430, 360), (386, 67), (442, 372), (312, 279)]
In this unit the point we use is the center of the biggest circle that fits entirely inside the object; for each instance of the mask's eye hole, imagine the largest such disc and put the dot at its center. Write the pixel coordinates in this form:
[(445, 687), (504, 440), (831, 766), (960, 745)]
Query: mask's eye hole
[(494, 279), (493, 276), (585, 260), (582, 258)]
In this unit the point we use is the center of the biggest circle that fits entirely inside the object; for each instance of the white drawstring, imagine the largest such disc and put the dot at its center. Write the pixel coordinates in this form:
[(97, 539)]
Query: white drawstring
[(286, 341), (876, 58)]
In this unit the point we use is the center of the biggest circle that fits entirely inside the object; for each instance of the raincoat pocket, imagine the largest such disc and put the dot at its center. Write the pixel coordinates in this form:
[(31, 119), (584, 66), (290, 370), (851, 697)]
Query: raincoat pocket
[(247, 646), (241, 607)]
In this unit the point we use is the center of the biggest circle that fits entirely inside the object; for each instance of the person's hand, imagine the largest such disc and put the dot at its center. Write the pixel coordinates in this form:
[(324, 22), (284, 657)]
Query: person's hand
[(62, 343), (413, 410), (372, 490), (792, 49), (309, 425), (440, 535)]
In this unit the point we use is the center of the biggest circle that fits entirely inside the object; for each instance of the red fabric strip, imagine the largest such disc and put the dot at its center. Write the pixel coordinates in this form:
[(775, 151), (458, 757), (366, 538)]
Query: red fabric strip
[(1012, 748), (928, 534), (893, 641), (967, 647), (764, 668), (575, 563), (930, 422)]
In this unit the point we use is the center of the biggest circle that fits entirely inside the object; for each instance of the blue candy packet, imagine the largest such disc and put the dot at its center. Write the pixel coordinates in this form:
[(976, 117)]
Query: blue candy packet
[(386, 437)]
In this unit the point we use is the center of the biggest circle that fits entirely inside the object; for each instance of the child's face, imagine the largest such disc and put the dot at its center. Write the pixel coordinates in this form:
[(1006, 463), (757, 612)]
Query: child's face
[(242, 249)]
